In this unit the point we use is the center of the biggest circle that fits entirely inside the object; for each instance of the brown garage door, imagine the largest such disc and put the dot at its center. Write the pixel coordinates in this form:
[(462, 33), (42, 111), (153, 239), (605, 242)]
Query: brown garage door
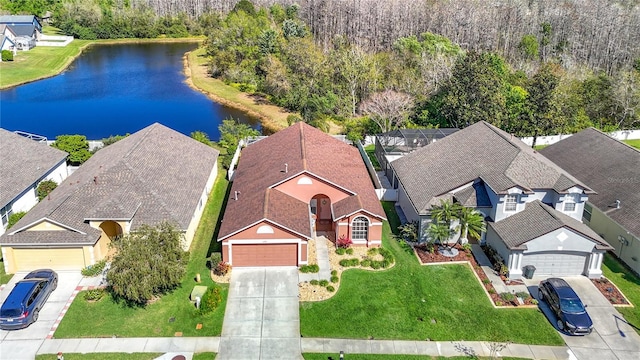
[(264, 255)]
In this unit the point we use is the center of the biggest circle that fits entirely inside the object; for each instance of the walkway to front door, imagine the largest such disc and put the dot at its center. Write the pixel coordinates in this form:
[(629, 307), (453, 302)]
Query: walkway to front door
[(262, 319)]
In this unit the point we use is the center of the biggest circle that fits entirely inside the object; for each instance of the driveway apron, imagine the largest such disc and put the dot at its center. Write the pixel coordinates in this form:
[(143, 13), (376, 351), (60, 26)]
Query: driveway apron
[(24, 343), (613, 338), (262, 318)]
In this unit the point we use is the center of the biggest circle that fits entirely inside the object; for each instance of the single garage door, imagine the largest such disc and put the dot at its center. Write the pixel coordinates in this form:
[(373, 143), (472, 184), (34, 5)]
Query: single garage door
[(557, 264), (57, 259), (264, 255)]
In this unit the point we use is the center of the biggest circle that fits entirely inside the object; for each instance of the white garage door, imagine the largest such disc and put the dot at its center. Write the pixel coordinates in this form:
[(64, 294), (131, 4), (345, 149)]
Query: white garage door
[(57, 259), (557, 264)]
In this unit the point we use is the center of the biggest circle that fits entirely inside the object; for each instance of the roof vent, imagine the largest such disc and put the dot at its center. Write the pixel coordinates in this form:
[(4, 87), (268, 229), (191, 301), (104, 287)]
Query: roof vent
[(617, 204), (95, 179), (286, 168), (235, 195)]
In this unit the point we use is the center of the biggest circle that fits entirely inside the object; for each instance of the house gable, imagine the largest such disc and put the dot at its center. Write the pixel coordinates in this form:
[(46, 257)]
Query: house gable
[(563, 239), (264, 230), (305, 186)]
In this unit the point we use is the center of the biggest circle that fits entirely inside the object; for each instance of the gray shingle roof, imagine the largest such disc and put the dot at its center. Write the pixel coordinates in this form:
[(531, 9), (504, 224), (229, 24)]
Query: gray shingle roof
[(608, 166), (538, 219), (153, 175), (482, 151), (22, 163), (9, 19)]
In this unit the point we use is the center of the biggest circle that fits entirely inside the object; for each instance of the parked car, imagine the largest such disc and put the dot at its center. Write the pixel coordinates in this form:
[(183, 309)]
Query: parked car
[(572, 315), (28, 296)]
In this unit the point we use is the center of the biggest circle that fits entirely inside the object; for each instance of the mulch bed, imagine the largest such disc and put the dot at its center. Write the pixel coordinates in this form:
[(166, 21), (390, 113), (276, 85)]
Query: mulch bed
[(609, 291), (427, 256)]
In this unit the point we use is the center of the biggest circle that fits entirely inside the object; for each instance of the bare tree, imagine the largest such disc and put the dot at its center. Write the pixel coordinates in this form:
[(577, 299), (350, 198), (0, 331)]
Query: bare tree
[(388, 109)]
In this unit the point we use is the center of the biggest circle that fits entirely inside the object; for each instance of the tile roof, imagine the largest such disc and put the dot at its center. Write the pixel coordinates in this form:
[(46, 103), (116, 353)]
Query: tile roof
[(152, 175), (22, 163), (482, 151), (304, 150), (538, 219), (610, 167)]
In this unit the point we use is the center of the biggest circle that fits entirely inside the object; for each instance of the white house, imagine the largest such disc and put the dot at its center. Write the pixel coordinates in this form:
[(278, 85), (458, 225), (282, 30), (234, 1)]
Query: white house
[(533, 208)]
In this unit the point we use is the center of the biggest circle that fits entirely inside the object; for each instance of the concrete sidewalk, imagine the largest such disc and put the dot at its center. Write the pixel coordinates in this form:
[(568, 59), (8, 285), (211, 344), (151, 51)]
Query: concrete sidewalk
[(189, 345)]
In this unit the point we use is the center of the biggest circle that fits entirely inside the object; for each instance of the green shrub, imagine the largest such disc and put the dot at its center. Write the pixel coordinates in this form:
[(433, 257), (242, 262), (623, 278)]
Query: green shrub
[(215, 258), (314, 282), (376, 265), (373, 251), (507, 296), (486, 281), (94, 295), (95, 269), (210, 300), (349, 251), (324, 282), (14, 218), (492, 291), (313, 268), (534, 301), (335, 279), (7, 55), (330, 288), (466, 247), (385, 263), (365, 262), (341, 251), (334, 272), (45, 187), (523, 295), (349, 262)]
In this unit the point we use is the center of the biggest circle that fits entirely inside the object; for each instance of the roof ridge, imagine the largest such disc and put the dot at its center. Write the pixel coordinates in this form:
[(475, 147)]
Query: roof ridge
[(265, 206), (141, 139), (303, 152), (612, 138)]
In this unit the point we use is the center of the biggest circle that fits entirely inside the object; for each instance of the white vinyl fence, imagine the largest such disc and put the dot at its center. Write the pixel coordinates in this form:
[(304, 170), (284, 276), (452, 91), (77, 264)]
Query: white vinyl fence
[(52, 40)]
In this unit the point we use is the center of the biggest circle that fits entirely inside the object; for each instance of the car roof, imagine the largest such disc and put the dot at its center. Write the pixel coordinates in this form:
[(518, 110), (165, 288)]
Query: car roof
[(563, 288), (19, 293), (40, 273)]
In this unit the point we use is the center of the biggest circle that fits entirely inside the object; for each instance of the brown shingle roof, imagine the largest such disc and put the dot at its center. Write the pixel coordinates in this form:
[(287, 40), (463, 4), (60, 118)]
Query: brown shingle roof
[(153, 175), (482, 151), (608, 166), (538, 219), (22, 163), (305, 150)]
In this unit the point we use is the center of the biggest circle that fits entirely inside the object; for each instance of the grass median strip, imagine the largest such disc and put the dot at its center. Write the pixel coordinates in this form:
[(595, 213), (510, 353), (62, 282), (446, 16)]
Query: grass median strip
[(413, 302), (170, 314), (325, 356)]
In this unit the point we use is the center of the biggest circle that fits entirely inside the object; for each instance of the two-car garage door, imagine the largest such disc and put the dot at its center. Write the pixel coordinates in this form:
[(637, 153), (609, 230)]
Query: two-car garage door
[(264, 254), (57, 259), (557, 264)]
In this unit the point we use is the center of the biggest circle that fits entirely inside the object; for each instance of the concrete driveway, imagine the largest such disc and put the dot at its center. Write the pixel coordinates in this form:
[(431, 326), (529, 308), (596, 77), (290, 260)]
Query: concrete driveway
[(262, 318), (24, 343), (612, 337)]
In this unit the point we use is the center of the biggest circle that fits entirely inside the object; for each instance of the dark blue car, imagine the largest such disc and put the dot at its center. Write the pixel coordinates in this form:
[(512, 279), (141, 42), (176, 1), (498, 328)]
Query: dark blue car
[(22, 306), (571, 314)]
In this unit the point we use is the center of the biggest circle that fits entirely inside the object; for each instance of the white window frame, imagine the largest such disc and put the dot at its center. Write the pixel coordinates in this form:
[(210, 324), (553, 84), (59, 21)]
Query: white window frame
[(571, 201), (355, 228), (507, 203)]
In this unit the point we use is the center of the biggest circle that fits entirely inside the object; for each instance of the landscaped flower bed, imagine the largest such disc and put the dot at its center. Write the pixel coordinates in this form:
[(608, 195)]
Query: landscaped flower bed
[(610, 291), (427, 255)]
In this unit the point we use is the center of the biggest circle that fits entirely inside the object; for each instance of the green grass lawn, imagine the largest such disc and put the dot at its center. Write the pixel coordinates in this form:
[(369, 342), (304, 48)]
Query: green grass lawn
[(325, 356), (4, 277), (414, 302), (173, 312), (204, 356), (371, 152), (101, 356), (634, 143), (628, 283)]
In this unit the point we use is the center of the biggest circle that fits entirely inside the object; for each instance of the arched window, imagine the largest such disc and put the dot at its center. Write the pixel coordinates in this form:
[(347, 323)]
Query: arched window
[(360, 228)]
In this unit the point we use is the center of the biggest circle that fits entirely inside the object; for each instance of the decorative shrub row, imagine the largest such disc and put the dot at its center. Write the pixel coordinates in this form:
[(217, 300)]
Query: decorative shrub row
[(94, 295), (349, 262), (342, 251), (324, 284), (313, 268), (95, 269)]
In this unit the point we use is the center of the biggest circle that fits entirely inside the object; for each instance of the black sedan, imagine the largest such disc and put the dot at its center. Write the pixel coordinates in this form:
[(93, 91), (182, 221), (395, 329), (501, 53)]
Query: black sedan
[(571, 314), (22, 306)]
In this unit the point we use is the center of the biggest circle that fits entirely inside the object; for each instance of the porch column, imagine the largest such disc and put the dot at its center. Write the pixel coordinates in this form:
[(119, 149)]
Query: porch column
[(595, 263), (515, 268)]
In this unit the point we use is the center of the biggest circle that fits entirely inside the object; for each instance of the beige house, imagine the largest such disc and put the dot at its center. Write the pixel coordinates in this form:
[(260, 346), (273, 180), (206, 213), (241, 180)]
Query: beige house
[(154, 175), (612, 169)]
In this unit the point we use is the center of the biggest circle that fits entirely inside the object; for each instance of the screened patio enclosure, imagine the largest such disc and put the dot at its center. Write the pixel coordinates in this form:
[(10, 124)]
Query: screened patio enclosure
[(397, 143)]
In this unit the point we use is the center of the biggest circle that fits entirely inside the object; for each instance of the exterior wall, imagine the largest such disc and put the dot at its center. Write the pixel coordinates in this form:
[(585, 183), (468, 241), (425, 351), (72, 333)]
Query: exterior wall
[(494, 198), (101, 249), (577, 214), (627, 246), (306, 189), (343, 228), (553, 242), (407, 207), (493, 240), (197, 214)]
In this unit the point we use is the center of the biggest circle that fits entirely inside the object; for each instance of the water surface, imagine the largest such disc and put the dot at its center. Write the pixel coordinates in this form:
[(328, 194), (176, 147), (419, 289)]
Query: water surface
[(114, 90)]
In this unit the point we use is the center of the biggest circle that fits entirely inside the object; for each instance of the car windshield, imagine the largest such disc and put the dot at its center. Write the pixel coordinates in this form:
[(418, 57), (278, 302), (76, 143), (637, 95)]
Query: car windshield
[(572, 306)]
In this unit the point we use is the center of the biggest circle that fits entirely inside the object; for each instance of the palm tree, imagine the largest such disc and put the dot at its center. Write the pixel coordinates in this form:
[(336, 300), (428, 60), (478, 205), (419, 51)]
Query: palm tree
[(440, 232), (445, 212), (471, 222)]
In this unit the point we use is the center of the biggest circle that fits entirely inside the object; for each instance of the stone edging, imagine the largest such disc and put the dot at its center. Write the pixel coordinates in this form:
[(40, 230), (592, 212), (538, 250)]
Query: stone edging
[(628, 304)]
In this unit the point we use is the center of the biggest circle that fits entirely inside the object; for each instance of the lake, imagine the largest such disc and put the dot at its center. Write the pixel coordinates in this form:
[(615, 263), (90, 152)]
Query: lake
[(114, 90)]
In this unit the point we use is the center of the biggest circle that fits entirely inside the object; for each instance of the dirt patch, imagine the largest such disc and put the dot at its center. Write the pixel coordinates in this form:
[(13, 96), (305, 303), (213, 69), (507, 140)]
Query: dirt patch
[(610, 291)]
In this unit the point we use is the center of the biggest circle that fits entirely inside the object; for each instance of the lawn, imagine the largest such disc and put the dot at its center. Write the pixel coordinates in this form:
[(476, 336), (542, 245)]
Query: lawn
[(4, 277), (101, 356), (325, 356), (628, 283), (173, 312), (414, 302), (371, 153), (634, 143)]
